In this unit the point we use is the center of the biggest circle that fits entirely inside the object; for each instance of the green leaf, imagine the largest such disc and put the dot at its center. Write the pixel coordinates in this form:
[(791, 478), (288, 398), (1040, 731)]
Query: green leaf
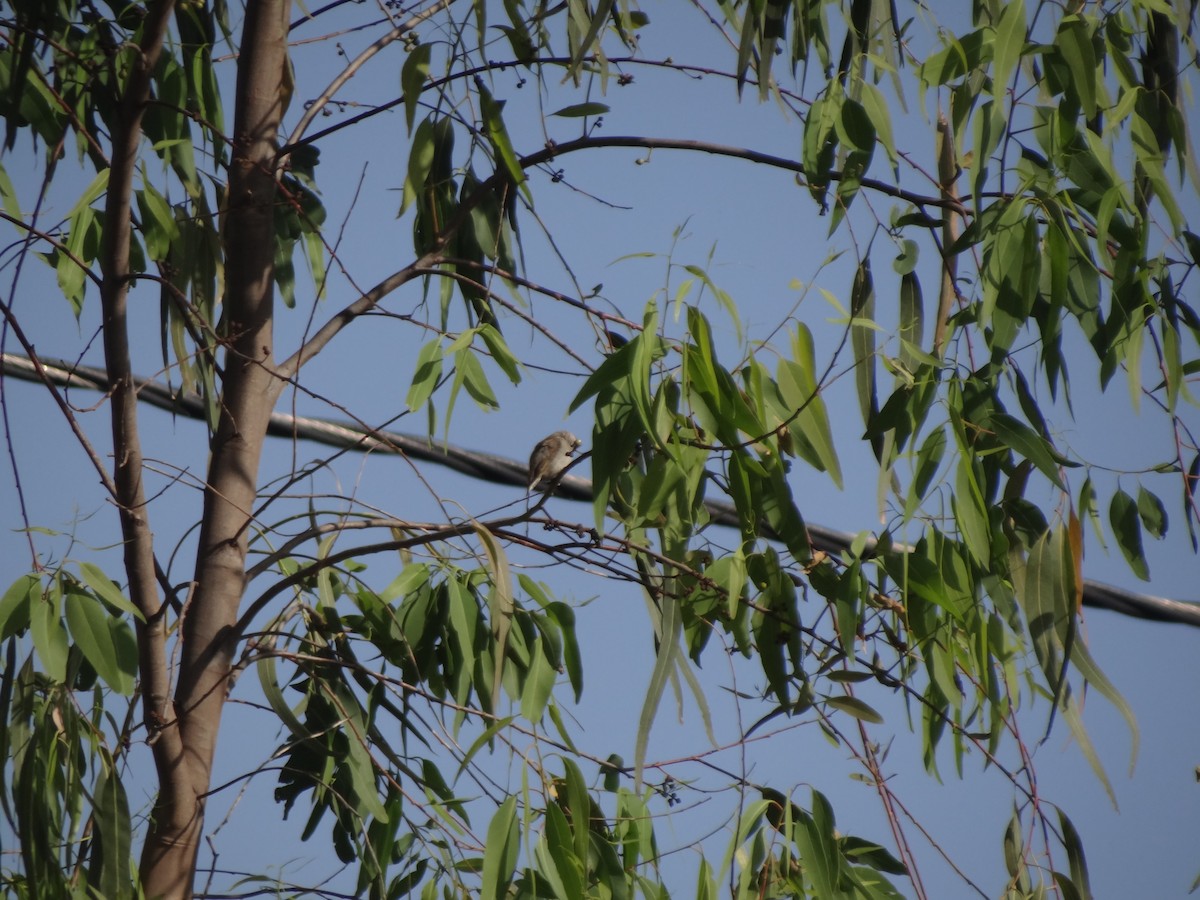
[(484, 740), (959, 57), (81, 245), (579, 802), (817, 842), (1047, 591), (111, 876), (1152, 513), (1026, 442), (719, 405), (862, 339), (970, 512), (16, 604), (106, 641), (461, 630), (49, 635), (500, 854), (855, 849), (1014, 847), (428, 374), (1126, 525), (469, 373), (413, 75), (159, 228), (518, 36), (1192, 240), (539, 684), (820, 145), (669, 656), (314, 255), (906, 259), (8, 194), (493, 125), (854, 707), (285, 277), (857, 134), (1089, 507), (1009, 43), (420, 162), (810, 429), (364, 791), (1074, 42), (745, 51), (598, 21), (616, 367), (557, 862), (500, 604), (108, 591), (270, 686), (578, 110), (501, 354), (1011, 272), (1075, 857), (1085, 665), (912, 320), (929, 458), (98, 186), (564, 616), (876, 108)]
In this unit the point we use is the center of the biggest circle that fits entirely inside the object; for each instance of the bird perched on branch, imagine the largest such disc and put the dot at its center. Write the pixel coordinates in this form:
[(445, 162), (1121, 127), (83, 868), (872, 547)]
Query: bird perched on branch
[(549, 458)]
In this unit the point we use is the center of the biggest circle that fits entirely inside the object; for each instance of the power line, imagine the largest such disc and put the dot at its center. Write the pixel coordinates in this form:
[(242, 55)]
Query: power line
[(503, 470)]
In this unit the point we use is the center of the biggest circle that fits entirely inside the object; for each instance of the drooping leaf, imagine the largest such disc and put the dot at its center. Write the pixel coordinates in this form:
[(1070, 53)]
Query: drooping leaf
[(49, 635), (113, 848), (1127, 528), (500, 853), (493, 123), (413, 74), (501, 606), (428, 374), (1023, 440), (107, 642), (107, 589), (1152, 513), (817, 842), (1074, 42), (17, 603), (862, 339)]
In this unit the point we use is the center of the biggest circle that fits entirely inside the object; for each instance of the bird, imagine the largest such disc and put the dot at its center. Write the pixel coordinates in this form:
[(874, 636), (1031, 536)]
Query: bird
[(551, 455)]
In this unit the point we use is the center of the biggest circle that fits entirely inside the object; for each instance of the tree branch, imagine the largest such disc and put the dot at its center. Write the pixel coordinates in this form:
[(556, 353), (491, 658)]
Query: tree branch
[(137, 537)]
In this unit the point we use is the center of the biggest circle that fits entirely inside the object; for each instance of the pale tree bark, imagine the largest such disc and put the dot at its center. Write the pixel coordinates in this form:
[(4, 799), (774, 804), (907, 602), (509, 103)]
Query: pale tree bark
[(169, 855)]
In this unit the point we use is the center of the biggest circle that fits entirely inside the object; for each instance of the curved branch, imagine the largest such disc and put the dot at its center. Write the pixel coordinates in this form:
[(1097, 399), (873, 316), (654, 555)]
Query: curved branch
[(498, 469), (743, 153)]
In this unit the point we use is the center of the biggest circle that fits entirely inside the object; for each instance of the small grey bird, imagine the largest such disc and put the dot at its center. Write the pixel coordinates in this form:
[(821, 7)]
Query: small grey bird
[(551, 455)]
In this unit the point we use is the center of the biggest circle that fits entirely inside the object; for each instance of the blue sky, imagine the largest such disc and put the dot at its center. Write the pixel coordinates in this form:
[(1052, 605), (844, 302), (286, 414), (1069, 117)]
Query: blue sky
[(759, 236)]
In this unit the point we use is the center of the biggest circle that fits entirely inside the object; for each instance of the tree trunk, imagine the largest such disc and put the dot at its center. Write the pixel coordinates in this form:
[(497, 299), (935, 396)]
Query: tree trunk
[(169, 856)]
